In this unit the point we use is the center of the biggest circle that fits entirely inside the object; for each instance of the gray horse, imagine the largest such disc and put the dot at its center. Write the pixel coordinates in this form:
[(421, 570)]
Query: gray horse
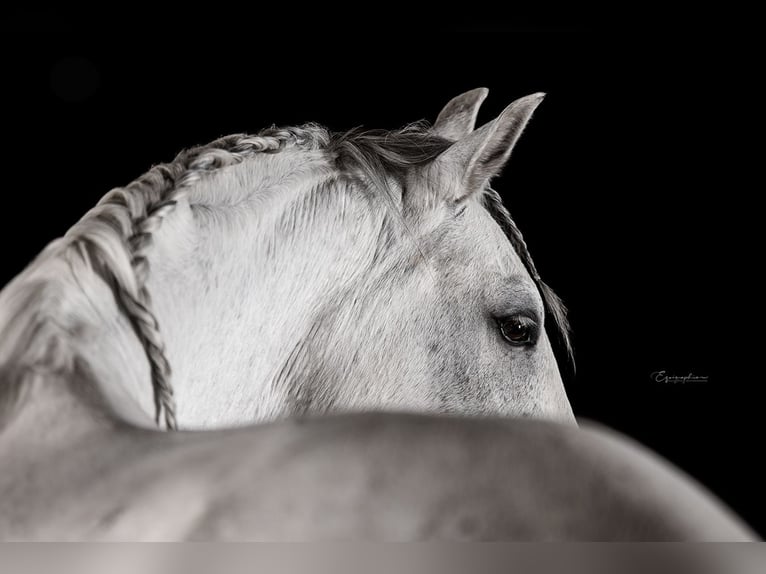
[(294, 274)]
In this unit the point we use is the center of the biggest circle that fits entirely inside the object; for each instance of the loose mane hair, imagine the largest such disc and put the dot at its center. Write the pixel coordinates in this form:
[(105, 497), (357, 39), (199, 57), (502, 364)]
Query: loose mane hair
[(114, 237)]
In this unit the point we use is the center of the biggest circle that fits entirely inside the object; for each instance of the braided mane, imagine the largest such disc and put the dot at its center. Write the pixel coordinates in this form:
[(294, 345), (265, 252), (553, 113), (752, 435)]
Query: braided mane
[(113, 238), (136, 211)]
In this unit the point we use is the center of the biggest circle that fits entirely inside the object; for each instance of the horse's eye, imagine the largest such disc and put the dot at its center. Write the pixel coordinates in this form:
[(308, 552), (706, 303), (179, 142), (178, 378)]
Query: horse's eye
[(518, 330)]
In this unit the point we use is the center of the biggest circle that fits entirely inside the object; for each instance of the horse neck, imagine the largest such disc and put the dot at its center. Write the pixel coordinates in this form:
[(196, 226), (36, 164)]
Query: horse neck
[(232, 289), (236, 286)]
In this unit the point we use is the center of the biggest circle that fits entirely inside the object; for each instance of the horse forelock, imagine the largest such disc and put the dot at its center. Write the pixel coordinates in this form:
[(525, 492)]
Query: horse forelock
[(113, 238)]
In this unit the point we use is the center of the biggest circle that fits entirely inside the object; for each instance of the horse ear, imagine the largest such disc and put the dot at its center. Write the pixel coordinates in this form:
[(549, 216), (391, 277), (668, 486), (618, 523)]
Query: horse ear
[(480, 155), (458, 117)]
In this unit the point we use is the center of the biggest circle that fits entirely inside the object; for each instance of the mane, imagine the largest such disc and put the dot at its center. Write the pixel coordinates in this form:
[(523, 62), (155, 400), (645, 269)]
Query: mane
[(114, 237)]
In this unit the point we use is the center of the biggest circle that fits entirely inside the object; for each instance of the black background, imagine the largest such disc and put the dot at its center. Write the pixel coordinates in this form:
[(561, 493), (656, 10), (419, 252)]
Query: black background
[(620, 184)]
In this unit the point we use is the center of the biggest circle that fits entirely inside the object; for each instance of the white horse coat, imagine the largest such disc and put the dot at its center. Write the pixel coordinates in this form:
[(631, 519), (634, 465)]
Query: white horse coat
[(296, 274)]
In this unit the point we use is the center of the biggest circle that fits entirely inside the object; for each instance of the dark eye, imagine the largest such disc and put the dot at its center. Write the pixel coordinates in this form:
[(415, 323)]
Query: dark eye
[(518, 330)]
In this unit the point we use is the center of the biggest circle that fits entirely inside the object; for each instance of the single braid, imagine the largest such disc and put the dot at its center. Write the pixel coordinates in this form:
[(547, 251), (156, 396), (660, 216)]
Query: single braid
[(511, 231), (139, 310)]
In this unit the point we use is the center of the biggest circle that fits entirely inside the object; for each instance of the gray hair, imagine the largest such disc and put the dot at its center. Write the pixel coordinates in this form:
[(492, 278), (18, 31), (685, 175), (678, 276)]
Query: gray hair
[(114, 237)]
